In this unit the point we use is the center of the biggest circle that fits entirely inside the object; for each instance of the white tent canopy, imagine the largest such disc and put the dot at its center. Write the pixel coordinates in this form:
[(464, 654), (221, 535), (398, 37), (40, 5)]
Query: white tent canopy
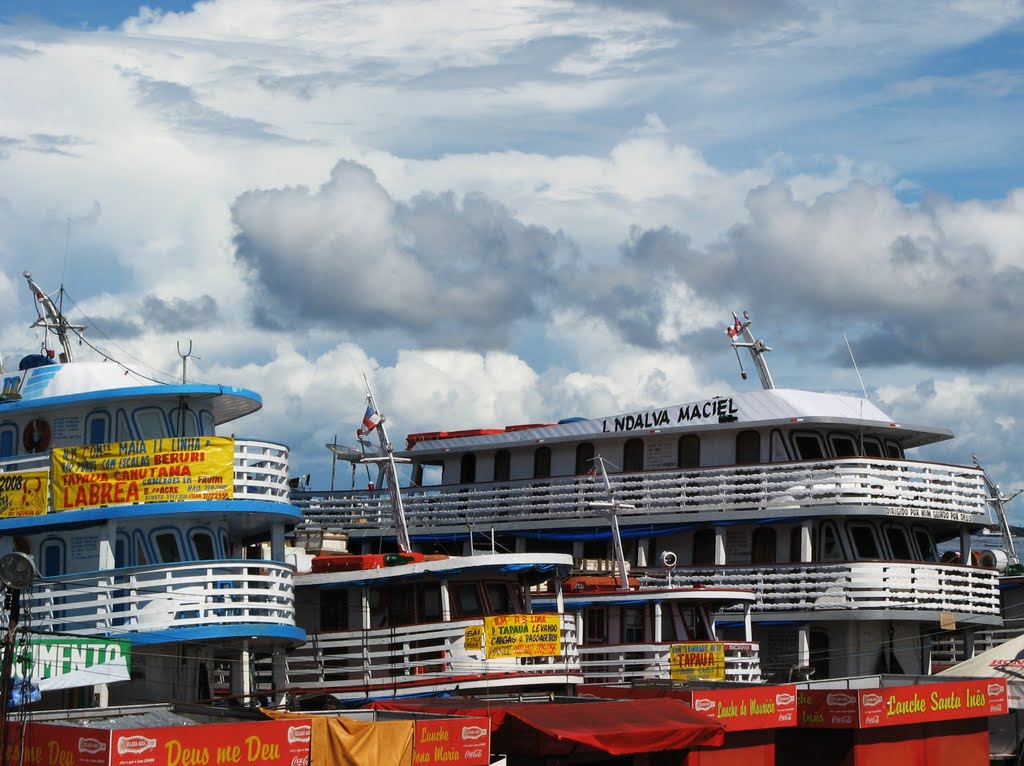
[(1003, 661)]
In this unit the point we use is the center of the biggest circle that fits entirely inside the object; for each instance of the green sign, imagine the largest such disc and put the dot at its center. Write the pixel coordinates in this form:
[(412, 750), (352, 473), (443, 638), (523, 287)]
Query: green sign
[(63, 663)]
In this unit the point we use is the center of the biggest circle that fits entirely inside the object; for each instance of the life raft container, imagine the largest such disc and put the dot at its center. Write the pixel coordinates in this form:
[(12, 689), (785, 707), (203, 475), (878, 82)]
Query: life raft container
[(354, 562)]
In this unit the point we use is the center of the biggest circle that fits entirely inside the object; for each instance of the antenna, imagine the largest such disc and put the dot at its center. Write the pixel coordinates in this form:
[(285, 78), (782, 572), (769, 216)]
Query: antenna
[(741, 337), (855, 367), (388, 461), (999, 501), (184, 358)]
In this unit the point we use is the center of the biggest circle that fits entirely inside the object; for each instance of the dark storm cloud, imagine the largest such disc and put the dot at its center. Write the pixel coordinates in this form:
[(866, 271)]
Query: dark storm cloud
[(178, 313), (444, 271)]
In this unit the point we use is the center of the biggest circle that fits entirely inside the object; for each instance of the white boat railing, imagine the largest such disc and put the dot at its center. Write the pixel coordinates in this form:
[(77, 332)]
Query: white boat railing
[(261, 470), (628, 663), (898, 487), (163, 597), (890, 585), (364, 663)]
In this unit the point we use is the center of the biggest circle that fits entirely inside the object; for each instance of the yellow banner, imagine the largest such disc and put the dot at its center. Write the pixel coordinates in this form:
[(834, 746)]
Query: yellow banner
[(693, 661), (523, 635), (24, 493), (151, 471)]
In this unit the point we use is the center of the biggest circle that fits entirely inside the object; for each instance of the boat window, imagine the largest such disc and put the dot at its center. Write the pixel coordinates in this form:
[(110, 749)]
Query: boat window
[(141, 554), (430, 602), (794, 544), (925, 545), (633, 456), (843, 445), (899, 543), (502, 465), (501, 599), (467, 600), (427, 474), (704, 547), (865, 542), (167, 547), (748, 448), (688, 451), (184, 422), (632, 624), (808, 446), (762, 549), (872, 447), (820, 653), (333, 609), (400, 605), (124, 429), (151, 423), (829, 546), (121, 548), (542, 462), (778, 451), (467, 468), (584, 457), (202, 543), (51, 558), (595, 625), (893, 450), (8, 438), (97, 428), (208, 425)]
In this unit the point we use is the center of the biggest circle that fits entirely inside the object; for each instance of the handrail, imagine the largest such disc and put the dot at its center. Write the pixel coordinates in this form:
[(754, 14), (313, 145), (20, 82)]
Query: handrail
[(157, 598), (898, 487), (627, 663)]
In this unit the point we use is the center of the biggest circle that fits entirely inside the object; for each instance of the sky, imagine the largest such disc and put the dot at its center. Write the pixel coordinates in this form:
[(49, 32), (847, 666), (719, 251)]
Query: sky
[(511, 212)]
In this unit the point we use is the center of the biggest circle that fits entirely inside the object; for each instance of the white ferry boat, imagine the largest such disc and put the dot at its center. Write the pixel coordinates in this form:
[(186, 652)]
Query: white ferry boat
[(814, 501), (131, 535)]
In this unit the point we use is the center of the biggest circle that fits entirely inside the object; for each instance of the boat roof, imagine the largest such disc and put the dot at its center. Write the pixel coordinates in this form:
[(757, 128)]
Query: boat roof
[(58, 385), (753, 409), (538, 567)]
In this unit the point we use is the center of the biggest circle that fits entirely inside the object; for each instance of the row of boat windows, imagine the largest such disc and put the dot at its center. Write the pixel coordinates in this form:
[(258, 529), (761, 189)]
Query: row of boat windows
[(678, 623), (102, 427), (166, 545), (801, 445), (832, 541), (400, 605)]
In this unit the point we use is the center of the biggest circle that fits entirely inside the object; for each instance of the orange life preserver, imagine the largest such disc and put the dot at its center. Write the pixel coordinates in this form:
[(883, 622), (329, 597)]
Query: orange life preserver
[(36, 437)]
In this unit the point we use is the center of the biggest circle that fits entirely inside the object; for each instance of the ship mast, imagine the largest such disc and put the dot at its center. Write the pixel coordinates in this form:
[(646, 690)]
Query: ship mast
[(610, 508), (389, 461), (741, 337), (51, 319)]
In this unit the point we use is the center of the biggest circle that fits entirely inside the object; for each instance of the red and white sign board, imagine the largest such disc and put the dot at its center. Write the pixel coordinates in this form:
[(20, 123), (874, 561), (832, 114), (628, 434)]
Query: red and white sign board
[(899, 705), (754, 707), (453, 742)]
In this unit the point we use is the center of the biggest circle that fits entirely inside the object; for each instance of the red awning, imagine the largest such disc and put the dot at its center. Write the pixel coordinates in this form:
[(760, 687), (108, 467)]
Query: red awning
[(616, 727)]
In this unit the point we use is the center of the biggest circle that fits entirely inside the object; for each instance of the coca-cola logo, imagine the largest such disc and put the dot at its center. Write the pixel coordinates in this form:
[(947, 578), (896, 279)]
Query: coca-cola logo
[(871, 719), (845, 719), (995, 690), (473, 732), (299, 734), (135, 744), (90, 745), (872, 700), (784, 700), (840, 700), (474, 753), (703, 704), (300, 760)]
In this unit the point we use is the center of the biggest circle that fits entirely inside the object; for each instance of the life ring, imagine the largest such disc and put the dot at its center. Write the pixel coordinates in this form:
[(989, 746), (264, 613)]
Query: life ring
[(36, 437)]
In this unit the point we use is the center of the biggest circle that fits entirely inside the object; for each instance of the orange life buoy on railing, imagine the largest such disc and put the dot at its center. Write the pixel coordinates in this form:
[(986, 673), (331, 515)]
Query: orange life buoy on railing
[(37, 436)]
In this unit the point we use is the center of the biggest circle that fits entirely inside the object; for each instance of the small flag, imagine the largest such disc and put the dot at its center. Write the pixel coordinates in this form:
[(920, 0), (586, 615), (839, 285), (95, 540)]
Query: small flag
[(735, 330), (592, 473), (371, 419)]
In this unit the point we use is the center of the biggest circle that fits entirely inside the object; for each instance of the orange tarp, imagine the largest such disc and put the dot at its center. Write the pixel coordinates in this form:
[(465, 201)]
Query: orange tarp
[(339, 741)]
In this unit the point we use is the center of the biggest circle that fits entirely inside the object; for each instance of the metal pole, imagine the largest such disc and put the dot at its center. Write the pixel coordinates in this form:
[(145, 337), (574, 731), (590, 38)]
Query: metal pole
[(13, 605)]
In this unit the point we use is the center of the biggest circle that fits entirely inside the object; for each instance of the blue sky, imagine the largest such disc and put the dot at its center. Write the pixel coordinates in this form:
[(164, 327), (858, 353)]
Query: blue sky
[(522, 211)]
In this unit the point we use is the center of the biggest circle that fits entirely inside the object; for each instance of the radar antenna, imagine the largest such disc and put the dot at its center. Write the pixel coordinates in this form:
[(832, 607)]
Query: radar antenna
[(52, 320), (741, 337)]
